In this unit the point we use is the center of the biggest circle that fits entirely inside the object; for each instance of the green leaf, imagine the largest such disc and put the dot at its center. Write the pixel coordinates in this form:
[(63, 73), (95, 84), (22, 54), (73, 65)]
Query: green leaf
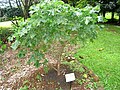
[(24, 88), (45, 61), (36, 63), (46, 69), (23, 32), (32, 59), (21, 53), (1, 42), (32, 35), (38, 77), (4, 47), (15, 45)]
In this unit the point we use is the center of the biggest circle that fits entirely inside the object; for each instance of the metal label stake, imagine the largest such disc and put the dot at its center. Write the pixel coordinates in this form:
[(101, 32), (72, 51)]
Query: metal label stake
[(70, 78)]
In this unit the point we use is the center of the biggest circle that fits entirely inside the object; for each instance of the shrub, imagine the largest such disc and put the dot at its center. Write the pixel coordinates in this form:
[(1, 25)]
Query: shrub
[(5, 33), (2, 47)]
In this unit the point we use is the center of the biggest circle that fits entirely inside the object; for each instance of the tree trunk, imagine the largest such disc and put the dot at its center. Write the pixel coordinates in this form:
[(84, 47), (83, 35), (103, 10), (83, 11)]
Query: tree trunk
[(26, 12), (26, 5), (119, 18), (104, 13), (58, 67), (26, 8), (61, 50), (15, 22), (112, 17)]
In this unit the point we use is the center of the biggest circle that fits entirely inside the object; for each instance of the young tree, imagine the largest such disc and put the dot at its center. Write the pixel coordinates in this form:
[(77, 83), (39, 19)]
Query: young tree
[(54, 23)]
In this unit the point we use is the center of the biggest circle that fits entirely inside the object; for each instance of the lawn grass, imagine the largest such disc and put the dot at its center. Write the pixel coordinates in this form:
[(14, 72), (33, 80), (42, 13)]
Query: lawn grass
[(6, 24), (108, 16), (103, 56)]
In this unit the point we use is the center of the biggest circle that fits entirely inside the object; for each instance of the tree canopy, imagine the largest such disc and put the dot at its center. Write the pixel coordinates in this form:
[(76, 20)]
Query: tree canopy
[(52, 22)]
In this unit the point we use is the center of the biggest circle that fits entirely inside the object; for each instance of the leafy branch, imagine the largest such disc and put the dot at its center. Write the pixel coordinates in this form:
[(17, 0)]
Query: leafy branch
[(53, 23)]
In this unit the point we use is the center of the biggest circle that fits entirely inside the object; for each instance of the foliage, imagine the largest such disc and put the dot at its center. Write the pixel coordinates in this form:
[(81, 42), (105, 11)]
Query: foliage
[(25, 85), (73, 2), (38, 77), (108, 6), (4, 18), (9, 13), (105, 5), (82, 3), (12, 9), (74, 66), (5, 33), (12, 12), (24, 88), (2, 47), (24, 5), (54, 22)]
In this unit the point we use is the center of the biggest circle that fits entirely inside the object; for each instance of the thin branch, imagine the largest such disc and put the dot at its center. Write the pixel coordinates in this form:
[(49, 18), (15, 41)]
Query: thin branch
[(10, 4), (22, 2), (16, 24), (17, 4)]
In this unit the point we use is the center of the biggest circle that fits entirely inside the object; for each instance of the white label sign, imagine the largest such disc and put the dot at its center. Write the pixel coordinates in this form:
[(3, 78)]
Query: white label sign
[(70, 77)]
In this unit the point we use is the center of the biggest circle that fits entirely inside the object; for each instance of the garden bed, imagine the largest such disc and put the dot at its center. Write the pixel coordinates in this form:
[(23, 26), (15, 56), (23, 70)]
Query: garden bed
[(18, 75)]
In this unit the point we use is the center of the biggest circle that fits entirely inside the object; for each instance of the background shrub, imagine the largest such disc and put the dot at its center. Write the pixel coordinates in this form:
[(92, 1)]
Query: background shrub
[(5, 33)]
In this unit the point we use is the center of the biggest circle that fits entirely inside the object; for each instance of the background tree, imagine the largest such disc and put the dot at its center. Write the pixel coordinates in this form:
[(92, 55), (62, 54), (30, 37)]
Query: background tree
[(26, 5), (23, 6), (16, 8), (112, 6), (108, 6), (82, 3), (118, 9)]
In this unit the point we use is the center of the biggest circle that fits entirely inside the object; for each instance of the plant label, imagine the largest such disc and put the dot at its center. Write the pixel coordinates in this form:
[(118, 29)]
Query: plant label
[(70, 77)]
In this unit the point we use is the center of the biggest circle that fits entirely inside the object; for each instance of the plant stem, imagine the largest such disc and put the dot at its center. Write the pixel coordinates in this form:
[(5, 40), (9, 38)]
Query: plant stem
[(60, 57)]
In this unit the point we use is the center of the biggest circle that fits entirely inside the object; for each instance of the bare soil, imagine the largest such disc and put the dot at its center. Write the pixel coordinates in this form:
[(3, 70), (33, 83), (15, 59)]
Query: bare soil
[(16, 74)]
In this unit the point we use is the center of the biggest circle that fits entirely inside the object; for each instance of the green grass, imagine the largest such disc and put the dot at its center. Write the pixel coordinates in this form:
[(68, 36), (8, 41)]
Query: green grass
[(103, 57), (108, 16), (6, 24)]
